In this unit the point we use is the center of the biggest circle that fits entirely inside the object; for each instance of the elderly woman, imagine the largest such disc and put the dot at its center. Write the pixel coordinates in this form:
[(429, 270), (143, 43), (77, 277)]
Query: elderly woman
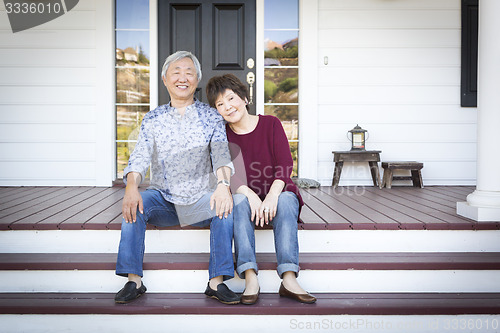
[(263, 177)]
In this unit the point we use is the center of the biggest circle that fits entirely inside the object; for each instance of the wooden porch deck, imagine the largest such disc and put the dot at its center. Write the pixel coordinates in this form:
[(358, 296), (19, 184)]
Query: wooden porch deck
[(343, 208)]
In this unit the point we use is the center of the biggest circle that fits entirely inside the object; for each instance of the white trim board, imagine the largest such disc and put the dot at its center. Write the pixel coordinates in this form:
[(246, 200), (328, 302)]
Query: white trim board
[(259, 323), (197, 241)]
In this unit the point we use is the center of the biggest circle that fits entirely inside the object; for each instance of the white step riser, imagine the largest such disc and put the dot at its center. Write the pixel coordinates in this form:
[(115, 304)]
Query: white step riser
[(195, 241), (246, 323), (314, 281)]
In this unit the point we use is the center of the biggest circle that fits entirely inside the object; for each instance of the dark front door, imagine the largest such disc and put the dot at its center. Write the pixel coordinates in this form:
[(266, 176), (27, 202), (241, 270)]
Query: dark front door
[(220, 33)]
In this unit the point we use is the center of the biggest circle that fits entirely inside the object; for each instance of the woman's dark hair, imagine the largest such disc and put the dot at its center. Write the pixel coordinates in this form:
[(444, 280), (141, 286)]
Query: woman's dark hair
[(219, 84)]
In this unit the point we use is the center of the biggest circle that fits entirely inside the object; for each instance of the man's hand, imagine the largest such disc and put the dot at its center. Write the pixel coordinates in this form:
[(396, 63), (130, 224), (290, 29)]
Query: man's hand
[(132, 198), (222, 200)]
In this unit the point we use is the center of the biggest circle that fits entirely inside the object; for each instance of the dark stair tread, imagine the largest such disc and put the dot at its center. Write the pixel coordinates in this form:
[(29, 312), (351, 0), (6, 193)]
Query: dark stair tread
[(268, 304), (266, 261)]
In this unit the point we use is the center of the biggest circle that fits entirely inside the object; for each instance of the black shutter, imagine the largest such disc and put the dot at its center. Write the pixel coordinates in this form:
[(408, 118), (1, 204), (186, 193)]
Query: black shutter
[(470, 19)]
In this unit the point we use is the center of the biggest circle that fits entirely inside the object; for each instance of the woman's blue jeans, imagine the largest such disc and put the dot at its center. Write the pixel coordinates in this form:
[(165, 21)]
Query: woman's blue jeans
[(161, 213), (285, 234)]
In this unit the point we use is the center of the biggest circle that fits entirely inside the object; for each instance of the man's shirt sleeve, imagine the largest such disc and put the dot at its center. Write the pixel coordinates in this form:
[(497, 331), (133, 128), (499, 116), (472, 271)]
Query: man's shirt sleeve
[(140, 159), (219, 148)]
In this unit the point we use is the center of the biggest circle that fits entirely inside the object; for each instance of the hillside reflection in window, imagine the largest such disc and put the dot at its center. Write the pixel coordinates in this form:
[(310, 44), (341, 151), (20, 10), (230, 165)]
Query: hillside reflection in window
[(132, 75), (281, 67)]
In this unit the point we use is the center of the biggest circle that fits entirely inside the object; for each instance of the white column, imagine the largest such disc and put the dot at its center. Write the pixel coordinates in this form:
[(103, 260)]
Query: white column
[(484, 203)]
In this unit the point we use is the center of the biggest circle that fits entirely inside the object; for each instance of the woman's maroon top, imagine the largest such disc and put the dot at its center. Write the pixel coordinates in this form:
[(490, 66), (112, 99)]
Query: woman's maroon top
[(265, 157)]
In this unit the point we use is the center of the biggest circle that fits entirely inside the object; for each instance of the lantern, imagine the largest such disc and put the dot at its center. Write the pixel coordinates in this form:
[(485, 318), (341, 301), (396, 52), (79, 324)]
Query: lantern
[(357, 138)]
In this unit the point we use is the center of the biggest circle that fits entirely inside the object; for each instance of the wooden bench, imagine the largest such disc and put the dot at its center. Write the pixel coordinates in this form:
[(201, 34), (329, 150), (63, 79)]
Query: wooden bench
[(414, 167)]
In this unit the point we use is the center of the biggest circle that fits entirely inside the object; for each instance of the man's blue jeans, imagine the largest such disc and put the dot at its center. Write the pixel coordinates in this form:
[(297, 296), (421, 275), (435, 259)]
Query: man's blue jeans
[(161, 213), (285, 234)]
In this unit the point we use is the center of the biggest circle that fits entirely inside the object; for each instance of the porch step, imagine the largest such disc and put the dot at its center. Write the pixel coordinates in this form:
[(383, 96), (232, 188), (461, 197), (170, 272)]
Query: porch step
[(198, 241), (267, 261), (268, 304), (320, 272)]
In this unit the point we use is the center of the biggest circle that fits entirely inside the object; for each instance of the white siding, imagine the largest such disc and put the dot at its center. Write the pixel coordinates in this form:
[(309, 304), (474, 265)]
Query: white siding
[(51, 82), (394, 69)]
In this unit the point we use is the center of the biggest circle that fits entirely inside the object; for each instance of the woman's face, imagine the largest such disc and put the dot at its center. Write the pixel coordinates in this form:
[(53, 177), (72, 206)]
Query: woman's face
[(230, 106)]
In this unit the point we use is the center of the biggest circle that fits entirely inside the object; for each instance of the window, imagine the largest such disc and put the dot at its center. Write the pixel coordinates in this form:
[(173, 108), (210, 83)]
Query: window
[(281, 70), (469, 53), (132, 75)]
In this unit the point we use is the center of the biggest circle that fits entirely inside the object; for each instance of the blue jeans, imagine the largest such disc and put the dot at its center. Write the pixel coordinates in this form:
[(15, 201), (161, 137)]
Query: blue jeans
[(161, 213), (285, 234)]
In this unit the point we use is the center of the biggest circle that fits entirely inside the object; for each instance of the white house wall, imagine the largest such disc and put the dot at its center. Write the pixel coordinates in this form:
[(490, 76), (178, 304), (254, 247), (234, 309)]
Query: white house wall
[(56, 99), (394, 69)]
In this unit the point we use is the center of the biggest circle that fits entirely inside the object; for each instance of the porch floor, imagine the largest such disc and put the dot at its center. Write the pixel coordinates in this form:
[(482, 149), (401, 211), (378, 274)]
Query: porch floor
[(343, 208)]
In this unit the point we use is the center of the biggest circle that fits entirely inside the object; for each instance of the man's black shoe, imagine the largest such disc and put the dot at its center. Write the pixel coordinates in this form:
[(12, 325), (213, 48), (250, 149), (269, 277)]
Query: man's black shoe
[(223, 294), (129, 292)]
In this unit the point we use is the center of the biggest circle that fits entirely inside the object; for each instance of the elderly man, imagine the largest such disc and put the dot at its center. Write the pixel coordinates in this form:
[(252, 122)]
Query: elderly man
[(185, 143)]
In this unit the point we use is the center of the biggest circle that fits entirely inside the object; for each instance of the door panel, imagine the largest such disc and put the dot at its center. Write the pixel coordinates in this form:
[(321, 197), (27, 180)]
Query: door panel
[(220, 33), (228, 30), (185, 28)]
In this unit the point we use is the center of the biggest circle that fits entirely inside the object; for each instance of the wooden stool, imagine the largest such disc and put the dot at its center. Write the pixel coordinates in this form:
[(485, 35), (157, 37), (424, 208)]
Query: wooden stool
[(414, 167), (370, 156)]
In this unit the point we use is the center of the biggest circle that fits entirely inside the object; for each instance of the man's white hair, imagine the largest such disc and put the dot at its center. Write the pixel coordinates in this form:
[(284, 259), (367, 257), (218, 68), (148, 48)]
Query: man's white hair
[(178, 56)]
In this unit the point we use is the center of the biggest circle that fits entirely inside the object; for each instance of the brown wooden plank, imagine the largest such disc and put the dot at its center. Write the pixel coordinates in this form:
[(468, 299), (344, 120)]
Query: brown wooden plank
[(66, 212), (111, 196), (6, 190), (340, 208), (32, 198), (26, 199), (435, 197), (37, 213), (75, 216), (310, 220), (420, 212), (403, 205), (446, 220), (111, 217), (268, 304), (266, 261), (44, 203), (421, 197), (443, 192), (464, 189), (385, 207), (448, 191), (383, 221), (342, 195), (461, 190), (114, 224), (326, 214), (7, 193), (400, 213)]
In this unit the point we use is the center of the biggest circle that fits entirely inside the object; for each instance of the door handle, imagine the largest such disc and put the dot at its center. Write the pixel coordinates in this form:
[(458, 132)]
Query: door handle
[(250, 81)]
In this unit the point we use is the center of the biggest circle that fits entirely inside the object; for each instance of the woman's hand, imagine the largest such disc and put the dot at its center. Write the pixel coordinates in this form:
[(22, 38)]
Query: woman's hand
[(222, 200), (255, 202), (268, 208)]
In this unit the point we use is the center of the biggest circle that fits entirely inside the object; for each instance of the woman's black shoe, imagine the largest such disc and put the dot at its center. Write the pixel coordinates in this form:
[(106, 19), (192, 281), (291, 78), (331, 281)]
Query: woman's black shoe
[(223, 294), (129, 292)]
